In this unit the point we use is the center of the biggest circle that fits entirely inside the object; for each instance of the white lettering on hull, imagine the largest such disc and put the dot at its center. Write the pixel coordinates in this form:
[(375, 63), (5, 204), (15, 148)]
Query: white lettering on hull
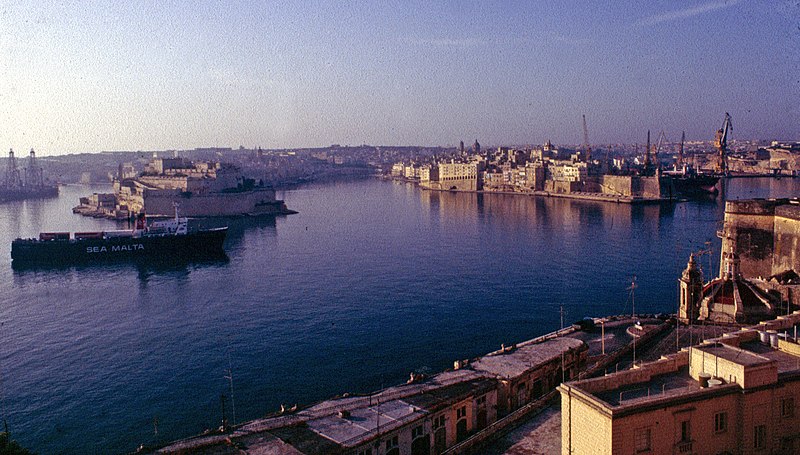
[(114, 248)]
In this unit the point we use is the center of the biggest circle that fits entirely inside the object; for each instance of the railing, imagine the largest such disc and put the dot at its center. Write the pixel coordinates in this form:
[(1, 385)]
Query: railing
[(684, 447)]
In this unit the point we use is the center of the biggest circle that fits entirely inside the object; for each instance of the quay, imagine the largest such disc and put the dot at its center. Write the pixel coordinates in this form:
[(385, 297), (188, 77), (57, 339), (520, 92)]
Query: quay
[(597, 197)]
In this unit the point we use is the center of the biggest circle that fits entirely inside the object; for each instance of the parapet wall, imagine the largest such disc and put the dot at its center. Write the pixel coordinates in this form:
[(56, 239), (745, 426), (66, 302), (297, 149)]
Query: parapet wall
[(667, 364)]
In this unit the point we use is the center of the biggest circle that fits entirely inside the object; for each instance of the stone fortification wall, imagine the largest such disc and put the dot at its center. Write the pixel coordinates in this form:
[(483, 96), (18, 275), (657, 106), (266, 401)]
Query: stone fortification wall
[(457, 185), (160, 203), (636, 186), (786, 250), (553, 186), (764, 233), (618, 185), (656, 187)]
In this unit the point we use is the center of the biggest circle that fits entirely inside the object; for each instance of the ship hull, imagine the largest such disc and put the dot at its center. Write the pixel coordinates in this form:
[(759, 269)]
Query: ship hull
[(696, 185), (194, 245), (19, 194)]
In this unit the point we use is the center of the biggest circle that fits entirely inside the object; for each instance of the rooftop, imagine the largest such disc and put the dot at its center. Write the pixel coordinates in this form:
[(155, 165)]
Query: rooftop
[(661, 386), (517, 361), (361, 424), (741, 356), (785, 361)]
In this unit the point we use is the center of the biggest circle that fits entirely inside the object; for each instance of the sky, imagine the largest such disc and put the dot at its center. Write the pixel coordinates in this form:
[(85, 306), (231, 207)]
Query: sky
[(88, 76)]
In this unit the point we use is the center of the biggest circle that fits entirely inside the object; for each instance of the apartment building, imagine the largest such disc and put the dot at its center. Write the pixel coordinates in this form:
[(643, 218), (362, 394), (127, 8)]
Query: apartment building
[(736, 394)]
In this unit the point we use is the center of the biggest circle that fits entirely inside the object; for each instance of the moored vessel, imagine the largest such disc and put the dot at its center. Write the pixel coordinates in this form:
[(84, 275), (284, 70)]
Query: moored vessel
[(168, 239)]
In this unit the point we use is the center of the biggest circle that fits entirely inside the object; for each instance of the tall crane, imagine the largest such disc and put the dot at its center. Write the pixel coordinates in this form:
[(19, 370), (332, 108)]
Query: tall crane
[(12, 173), (679, 162), (586, 141), (647, 154), (721, 142)]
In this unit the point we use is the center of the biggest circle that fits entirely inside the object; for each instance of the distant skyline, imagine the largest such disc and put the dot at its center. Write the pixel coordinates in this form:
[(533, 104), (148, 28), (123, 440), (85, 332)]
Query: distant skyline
[(92, 76)]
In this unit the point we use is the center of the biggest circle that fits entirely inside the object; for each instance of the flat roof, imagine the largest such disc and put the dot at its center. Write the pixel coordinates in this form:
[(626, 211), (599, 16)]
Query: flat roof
[(525, 357), (363, 423), (785, 361), (739, 356), (661, 386), (435, 399)]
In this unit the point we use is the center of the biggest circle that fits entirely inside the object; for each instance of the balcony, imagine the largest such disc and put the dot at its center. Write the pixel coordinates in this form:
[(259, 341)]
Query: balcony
[(683, 447)]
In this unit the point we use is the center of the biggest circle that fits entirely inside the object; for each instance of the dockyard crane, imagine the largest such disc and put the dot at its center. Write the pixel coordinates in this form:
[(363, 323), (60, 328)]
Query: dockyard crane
[(721, 142), (586, 141), (679, 162), (12, 173)]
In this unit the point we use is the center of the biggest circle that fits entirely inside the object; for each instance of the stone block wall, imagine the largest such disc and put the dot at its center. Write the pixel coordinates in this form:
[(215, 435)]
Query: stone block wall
[(765, 234), (160, 203)]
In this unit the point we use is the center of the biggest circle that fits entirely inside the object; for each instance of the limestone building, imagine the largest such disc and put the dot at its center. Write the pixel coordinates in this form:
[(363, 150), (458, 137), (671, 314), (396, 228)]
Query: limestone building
[(736, 394), (427, 415)]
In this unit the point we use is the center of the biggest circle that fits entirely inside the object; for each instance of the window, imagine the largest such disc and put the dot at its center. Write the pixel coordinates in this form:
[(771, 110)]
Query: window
[(365, 452), (481, 400), (461, 412), (642, 440), (760, 437), (686, 431), (438, 422), (787, 407), (720, 422), (416, 432)]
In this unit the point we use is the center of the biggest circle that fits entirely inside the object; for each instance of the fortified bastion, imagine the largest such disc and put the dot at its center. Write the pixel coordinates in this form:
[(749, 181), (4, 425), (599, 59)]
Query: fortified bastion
[(765, 233)]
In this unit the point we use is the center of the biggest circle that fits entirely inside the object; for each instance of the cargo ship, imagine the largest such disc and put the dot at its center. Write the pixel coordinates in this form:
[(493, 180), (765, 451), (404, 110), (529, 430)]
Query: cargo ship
[(696, 184), (167, 239)]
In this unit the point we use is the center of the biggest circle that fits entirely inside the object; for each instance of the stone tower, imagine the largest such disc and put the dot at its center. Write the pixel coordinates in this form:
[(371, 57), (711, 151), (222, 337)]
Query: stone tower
[(691, 283)]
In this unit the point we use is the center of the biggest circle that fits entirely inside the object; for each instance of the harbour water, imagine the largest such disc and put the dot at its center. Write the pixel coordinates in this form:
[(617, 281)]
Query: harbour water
[(370, 281)]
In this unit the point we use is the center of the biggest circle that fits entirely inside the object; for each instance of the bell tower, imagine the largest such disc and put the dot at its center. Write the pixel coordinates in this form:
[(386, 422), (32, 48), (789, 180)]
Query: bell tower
[(691, 284)]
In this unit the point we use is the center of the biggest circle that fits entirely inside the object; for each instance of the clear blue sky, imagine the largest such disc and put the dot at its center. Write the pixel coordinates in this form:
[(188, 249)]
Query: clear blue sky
[(144, 75)]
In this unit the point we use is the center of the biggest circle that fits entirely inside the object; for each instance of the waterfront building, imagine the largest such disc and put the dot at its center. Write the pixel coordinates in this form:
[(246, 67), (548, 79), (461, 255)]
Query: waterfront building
[(730, 395), (526, 372), (398, 169), (534, 176), (427, 415), (424, 173), (560, 171), (198, 188), (456, 176), (411, 172)]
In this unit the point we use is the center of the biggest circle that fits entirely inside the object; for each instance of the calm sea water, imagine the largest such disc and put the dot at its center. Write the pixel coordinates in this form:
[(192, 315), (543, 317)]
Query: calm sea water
[(370, 281)]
